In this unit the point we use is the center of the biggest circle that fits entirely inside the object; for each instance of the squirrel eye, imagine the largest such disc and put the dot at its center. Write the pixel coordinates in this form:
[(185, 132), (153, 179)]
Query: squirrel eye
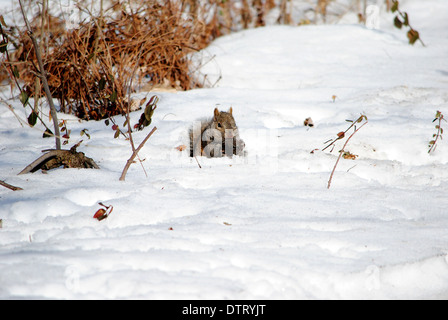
[(219, 125)]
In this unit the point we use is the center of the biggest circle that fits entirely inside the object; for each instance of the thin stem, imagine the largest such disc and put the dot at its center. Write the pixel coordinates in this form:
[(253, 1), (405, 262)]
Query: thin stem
[(341, 152), (439, 132), (7, 185), (340, 137), (134, 154), (42, 75)]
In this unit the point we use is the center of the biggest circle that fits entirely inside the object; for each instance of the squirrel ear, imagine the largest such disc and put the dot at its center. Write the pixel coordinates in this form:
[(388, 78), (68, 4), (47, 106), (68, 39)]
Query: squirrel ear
[(230, 110), (216, 112)]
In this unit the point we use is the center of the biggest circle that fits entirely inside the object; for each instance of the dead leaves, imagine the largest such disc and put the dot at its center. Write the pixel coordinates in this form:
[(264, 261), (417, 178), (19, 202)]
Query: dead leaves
[(308, 122), (341, 135), (362, 121), (146, 117), (103, 213), (181, 147), (402, 19), (349, 156)]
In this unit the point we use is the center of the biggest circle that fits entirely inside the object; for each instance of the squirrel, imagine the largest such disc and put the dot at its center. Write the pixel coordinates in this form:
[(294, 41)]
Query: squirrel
[(216, 137)]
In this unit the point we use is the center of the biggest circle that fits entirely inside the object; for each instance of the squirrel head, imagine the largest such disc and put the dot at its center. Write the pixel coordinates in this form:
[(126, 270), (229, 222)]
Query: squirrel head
[(224, 122)]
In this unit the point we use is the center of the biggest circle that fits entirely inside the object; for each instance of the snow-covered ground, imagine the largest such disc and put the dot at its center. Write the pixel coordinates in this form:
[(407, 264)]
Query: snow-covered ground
[(263, 226)]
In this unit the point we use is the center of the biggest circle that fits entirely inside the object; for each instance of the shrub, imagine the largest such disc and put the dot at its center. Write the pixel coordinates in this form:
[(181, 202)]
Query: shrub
[(90, 67)]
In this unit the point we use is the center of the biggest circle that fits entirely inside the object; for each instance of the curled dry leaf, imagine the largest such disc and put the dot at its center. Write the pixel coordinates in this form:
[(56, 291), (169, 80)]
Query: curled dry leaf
[(103, 213), (100, 214), (308, 122)]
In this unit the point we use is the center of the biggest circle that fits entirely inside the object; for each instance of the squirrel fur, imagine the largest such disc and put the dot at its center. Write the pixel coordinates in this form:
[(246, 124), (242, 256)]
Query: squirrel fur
[(216, 137)]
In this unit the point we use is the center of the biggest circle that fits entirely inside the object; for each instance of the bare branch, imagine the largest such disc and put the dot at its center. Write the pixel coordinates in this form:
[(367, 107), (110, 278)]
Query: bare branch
[(43, 77), (7, 185), (56, 158), (342, 151), (134, 154)]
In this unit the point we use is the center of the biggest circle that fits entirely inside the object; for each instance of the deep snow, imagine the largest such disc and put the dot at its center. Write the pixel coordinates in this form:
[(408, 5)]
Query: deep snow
[(263, 226)]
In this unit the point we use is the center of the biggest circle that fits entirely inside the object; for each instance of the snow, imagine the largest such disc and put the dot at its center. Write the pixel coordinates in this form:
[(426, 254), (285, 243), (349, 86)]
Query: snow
[(262, 226)]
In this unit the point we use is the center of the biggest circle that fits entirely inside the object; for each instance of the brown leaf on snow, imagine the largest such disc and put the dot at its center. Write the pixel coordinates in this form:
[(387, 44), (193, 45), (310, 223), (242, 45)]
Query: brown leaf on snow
[(308, 122), (349, 156), (181, 148), (103, 213), (100, 214)]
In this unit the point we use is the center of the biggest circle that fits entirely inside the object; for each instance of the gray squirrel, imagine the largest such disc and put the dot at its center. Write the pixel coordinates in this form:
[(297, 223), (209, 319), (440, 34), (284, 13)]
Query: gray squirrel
[(216, 137)]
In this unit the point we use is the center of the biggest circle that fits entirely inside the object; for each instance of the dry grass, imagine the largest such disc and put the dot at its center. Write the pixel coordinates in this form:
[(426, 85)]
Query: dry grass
[(91, 66)]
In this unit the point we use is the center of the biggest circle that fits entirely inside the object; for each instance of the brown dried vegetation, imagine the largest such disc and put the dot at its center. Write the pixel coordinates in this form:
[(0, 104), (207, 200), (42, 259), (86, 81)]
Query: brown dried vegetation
[(89, 68)]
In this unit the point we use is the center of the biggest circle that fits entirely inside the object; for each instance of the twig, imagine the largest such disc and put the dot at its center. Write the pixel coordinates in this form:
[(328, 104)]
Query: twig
[(342, 133), (433, 143), (134, 154), (7, 185), (342, 151), (412, 34), (128, 109), (70, 158), (13, 76), (198, 162), (43, 77), (35, 165)]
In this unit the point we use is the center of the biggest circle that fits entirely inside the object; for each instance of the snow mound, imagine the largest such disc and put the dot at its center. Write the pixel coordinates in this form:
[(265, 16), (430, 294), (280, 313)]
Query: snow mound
[(263, 226)]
